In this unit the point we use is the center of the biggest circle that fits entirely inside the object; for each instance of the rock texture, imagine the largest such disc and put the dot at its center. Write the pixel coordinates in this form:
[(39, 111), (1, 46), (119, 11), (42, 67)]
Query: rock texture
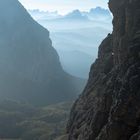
[(109, 108), (29, 66)]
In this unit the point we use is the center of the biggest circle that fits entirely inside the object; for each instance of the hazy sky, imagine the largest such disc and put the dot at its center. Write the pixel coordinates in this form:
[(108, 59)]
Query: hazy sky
[(63, 6)]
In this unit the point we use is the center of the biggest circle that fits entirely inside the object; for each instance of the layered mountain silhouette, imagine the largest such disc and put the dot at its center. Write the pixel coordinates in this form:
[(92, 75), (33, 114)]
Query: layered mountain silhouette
[(76, 14), (77, 31), (29, 66)]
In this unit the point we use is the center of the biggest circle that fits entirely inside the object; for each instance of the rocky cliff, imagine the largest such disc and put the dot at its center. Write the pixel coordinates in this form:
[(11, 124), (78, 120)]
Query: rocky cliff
[(109, 108), (29, 66)]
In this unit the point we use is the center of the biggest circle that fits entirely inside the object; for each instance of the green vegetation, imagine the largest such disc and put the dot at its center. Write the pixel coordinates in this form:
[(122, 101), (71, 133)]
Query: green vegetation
[(21, 121)]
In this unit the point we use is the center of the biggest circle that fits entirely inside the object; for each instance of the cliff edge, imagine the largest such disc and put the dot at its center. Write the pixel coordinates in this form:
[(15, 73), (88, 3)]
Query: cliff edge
[(109, 107)]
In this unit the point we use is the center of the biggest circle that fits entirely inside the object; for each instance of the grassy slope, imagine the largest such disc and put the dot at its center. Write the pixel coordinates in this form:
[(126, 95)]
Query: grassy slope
[(22, 121)]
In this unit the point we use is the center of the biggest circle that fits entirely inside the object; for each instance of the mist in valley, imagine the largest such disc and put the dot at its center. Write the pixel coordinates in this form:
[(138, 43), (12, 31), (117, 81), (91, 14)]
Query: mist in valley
[(76, 36), (45, 59)]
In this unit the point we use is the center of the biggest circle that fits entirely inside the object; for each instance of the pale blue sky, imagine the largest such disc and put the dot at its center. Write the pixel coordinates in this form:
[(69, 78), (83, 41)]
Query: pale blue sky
[(63, 6)]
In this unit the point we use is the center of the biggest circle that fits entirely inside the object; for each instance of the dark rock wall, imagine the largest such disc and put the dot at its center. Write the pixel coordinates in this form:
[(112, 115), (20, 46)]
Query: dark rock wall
[(109, 107)]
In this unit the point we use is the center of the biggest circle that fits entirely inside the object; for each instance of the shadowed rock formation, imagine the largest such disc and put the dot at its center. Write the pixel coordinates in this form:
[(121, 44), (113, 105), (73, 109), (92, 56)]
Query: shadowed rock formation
[(29, 66), (109, 107)]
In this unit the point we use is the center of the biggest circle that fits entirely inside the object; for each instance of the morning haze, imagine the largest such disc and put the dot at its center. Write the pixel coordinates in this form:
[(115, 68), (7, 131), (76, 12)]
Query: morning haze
[(47, 48)]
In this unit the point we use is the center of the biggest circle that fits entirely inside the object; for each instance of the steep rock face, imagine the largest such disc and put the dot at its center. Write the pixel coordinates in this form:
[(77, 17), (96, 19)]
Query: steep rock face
[(29, 66), (109, 108)]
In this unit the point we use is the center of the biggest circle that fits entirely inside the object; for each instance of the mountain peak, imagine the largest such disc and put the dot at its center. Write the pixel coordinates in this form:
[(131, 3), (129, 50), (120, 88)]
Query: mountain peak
[(99, 10), (76, 14)]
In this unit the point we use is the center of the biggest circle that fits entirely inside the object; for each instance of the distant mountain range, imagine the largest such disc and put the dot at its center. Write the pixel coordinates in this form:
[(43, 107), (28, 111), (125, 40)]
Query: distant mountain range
[(98, 13), (37, 14), (77, 31), (92, 14)]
